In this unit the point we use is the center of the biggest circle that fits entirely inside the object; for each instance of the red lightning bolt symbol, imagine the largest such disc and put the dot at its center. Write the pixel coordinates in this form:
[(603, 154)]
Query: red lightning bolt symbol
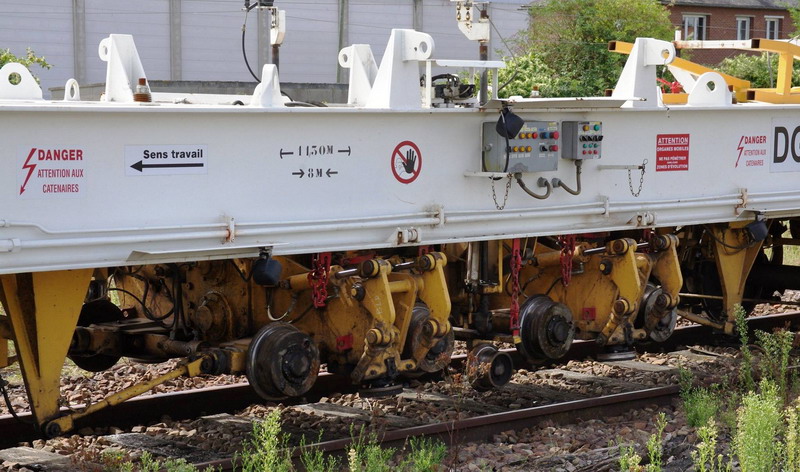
[(740, 148), (30, 167)]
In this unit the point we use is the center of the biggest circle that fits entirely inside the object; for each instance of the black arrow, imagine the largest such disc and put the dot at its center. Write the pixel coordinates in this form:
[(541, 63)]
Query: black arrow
[(286, 153), (331, 172), (139, 166), (301, 173), (342, 151)]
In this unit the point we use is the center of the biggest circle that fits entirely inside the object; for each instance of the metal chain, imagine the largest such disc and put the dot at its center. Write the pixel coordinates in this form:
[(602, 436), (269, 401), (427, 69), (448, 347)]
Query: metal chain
[(505, 198), (567, 252), (516, 265), (641, 180), (318, 278)]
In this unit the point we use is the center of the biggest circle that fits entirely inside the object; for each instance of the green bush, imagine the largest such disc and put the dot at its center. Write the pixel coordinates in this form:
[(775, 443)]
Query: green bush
[(756, 69), (565, 51)]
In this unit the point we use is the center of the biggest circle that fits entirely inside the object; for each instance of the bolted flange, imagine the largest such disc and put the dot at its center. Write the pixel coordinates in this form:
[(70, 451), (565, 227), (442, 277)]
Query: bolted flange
[(282, 361)]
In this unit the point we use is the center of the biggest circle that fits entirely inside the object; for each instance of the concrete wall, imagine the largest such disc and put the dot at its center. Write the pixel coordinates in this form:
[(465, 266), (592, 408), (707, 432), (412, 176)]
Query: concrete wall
[(200, 40), (308, 92)]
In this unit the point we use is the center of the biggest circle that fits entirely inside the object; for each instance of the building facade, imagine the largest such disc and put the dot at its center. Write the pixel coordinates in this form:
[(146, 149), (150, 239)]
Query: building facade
[(729, 20)]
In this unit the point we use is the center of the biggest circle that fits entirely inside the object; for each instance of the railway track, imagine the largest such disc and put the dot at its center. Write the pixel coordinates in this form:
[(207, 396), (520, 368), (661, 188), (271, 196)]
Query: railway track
[(483, 428), (481, 425)]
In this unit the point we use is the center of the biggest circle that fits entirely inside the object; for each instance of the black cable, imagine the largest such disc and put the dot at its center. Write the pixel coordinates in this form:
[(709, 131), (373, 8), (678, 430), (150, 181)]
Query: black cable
[(246, 279), (147, 313), (513, 58), (300, 104), (244, 51), (179, 321), (3, 385), (508, 143), (723, 243), (552, 285)]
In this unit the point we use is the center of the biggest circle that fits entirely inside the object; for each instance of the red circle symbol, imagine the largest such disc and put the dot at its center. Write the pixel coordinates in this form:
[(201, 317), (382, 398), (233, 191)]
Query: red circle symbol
[(406, 162)]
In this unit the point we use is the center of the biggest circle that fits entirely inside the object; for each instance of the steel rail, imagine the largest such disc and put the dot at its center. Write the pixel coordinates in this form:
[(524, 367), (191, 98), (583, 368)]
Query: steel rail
[(482, 428)]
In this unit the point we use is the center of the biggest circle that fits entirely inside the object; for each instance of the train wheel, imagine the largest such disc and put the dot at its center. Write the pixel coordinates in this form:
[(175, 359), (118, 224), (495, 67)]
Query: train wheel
[(488, 368), (546, 329), (97, 311), (659, 330), (438, 356), (282, 362)]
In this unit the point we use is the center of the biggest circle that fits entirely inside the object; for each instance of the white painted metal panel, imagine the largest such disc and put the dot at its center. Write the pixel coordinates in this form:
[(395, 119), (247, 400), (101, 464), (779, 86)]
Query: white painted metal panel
[(46, 27), (257, 190)]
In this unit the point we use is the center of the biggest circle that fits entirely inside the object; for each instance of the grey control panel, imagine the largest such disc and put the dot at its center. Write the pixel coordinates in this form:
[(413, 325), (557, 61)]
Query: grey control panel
[(535, 148), (582, 139)]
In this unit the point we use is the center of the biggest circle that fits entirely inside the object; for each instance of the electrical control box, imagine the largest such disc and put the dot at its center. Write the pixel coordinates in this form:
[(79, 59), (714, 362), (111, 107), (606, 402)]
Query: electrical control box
[(582, 139), (535, 148)]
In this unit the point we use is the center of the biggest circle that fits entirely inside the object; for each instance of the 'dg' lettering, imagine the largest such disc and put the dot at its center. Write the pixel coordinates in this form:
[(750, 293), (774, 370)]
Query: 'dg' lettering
[(784, 144)]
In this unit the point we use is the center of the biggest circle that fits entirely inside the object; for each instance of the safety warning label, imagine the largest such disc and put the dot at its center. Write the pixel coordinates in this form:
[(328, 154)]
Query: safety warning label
[(51, 172), (406, 162), (672, 152)]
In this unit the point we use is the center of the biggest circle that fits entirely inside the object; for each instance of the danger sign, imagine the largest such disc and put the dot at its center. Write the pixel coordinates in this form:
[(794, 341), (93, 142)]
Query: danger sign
[(672, 152), (406, 162), (51, 172)]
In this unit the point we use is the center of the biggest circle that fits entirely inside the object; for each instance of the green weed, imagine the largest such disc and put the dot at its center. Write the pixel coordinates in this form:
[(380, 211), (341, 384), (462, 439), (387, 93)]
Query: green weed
[(746, 368), (759, 422), (701, 405), (366, 455), (147, 463), (314, 460), (705, 457), (425, 455), (775, 362), (792, 438), (655, 451), (628, 459), (267, 447), (685, 379)]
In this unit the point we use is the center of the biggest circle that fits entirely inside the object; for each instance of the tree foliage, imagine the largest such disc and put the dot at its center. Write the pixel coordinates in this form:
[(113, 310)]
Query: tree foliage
[(30, 58), (761, 70), (565, 50)]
